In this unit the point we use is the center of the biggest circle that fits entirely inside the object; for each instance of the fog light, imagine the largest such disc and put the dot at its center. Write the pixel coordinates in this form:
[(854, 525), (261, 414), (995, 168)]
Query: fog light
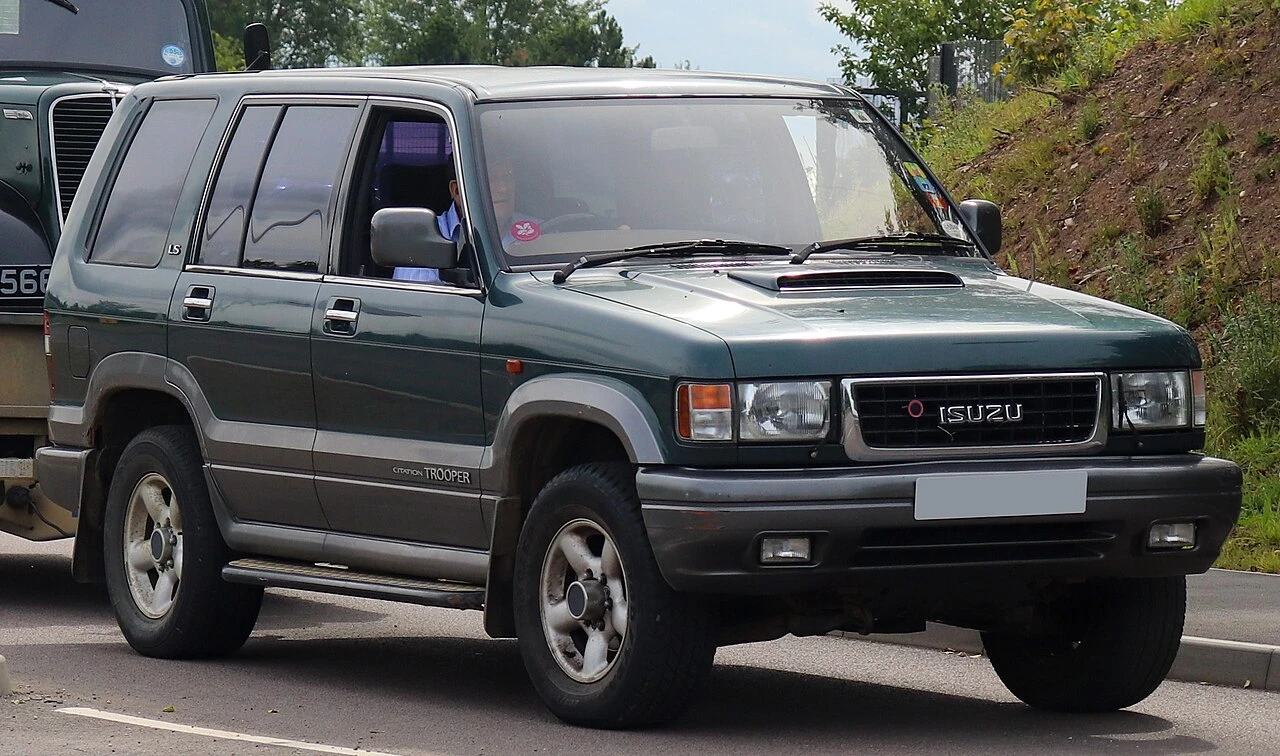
[(784, 550), (1172, 535)]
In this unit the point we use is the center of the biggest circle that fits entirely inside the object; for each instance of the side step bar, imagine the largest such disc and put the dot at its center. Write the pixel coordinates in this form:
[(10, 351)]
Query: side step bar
[(270, 573)]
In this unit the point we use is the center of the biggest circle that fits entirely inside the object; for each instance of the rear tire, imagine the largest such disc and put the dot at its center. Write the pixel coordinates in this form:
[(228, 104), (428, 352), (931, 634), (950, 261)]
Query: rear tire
[(639, 650), (1123, 639), (165, 554)]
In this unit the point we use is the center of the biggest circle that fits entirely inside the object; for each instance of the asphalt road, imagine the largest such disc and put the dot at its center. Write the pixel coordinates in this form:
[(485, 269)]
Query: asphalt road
[(337, 674)]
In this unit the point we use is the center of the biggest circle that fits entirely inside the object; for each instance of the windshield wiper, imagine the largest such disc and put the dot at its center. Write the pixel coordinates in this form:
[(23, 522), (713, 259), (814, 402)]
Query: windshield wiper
[(66, 4), (674, 248), (909, 239)]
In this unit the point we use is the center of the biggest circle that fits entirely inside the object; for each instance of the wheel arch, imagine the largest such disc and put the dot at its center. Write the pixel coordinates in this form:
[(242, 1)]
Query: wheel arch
[(119, 415), (548, 425)]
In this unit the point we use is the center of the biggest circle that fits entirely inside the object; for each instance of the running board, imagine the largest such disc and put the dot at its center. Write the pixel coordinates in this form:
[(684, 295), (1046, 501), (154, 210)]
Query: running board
[(270, 573)]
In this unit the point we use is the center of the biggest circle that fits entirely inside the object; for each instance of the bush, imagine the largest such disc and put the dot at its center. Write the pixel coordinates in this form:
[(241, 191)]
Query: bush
[(1041, 38)]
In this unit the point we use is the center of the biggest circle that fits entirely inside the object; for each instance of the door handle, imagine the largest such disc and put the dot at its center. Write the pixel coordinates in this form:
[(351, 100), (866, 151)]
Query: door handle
[(198, 303), (345, 316), (341, 315)]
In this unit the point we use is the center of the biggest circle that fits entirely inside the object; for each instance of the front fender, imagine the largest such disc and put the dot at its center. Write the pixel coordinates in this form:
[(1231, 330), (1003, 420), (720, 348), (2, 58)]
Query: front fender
[(607, 402)]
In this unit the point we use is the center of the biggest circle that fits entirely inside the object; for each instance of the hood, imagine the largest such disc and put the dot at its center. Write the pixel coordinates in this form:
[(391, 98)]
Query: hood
[(27, 87), (892, 316)]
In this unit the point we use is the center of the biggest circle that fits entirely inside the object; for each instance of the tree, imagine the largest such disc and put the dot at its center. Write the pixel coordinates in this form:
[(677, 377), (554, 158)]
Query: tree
[(504, 32), (228, 53), (898, 36), (304, 33)]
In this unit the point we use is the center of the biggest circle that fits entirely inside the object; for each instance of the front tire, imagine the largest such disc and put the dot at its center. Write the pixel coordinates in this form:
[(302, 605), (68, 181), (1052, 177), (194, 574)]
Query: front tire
[(1122, 639), (164, 553), (607, 643)]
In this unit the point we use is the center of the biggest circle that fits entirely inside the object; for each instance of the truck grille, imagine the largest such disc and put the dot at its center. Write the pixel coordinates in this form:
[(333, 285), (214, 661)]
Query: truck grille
[(962, 413), (78, 123), (979, 544)]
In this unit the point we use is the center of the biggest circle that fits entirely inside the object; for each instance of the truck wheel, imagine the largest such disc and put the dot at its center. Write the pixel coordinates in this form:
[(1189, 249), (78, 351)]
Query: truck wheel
[(1124, 637), (164, 553), (605, 640)]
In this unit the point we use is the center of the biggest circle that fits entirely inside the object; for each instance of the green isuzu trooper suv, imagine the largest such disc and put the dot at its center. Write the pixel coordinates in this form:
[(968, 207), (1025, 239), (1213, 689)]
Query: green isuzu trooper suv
[(638, 363)]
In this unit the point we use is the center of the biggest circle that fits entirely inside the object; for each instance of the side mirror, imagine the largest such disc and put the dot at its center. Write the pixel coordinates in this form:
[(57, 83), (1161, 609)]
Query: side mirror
[(257, 47), (984, 218), (408, 237)]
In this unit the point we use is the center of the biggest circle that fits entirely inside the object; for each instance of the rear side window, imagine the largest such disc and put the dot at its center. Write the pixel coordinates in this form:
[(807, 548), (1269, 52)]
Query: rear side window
[(232, 194), (291, 219), (144, 195)]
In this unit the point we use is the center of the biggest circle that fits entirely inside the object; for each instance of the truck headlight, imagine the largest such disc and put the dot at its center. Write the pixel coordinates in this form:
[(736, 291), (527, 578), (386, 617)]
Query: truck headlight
[(770, 412), (791, 411), (1157, 400)]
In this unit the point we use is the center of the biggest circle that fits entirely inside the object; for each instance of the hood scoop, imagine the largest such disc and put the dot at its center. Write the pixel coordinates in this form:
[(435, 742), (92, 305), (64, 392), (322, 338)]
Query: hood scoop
[(845, 280)]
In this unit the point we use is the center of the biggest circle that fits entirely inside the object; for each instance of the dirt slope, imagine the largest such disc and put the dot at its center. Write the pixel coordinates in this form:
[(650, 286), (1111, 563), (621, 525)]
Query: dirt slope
[(1191, 130)]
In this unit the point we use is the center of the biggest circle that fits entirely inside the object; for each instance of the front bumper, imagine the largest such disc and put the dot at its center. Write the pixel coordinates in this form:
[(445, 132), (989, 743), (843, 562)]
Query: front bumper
[(705, 526)]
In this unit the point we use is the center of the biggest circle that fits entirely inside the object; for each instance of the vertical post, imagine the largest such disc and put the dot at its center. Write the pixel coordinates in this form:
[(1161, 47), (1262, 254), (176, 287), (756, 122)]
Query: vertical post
[(948, 73)]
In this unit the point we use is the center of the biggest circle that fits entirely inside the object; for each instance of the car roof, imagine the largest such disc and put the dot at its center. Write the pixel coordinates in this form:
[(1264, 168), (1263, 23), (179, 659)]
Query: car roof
[(553, 82)]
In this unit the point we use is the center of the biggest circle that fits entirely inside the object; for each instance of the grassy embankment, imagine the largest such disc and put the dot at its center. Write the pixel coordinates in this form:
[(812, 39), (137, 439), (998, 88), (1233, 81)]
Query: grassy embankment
[(1148, 172)]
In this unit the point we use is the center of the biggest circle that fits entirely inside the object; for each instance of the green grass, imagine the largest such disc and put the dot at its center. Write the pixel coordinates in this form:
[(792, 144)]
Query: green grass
[(1212, 175), (1255, 544), (1089, 121), (1150, 206), (1244, 382), (958, 137)]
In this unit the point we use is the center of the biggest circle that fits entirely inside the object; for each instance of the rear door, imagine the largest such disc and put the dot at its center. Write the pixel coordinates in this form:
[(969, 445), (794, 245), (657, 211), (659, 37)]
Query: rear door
[(240, 318)]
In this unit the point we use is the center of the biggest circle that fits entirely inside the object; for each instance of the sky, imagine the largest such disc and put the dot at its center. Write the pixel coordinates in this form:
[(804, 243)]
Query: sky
[(780, 37)]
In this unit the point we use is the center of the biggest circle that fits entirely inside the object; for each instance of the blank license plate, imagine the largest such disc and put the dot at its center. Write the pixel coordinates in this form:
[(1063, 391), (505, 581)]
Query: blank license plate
[(11, 467), (1012, 494)]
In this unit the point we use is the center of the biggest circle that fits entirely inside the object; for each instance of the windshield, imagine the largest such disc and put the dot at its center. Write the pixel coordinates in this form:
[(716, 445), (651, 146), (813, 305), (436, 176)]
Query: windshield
[(139, 35), (567, 178)]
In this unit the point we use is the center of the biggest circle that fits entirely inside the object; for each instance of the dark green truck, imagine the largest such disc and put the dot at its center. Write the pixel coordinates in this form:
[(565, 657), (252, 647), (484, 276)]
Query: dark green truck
[(713, 359), (63, 70)]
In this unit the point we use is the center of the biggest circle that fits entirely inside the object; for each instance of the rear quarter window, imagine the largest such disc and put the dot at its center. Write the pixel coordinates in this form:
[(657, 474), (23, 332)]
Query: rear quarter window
[(143, 196)]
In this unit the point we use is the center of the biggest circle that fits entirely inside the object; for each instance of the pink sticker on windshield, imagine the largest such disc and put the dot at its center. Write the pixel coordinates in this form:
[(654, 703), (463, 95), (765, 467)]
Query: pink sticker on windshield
[(525, 230)]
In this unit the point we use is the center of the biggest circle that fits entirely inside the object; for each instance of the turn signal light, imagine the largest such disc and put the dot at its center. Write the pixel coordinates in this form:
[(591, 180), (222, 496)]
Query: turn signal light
[(704, 411)]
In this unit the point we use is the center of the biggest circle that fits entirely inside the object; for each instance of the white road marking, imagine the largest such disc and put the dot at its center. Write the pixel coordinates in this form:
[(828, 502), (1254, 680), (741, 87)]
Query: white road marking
[(223, 734)]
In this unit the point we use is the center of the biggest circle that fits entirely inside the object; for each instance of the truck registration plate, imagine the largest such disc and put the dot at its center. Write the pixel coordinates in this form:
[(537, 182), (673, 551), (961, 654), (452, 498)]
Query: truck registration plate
[(23, 285), (951, 496)]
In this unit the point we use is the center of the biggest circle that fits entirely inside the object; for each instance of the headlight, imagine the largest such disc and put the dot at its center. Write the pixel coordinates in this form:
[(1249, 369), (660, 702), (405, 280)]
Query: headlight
[(780, 412), (1157, 400), (794, 411)]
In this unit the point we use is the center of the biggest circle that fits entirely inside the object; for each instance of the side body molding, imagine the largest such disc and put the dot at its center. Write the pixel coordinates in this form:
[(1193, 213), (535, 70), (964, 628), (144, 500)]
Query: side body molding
[(602, 400)]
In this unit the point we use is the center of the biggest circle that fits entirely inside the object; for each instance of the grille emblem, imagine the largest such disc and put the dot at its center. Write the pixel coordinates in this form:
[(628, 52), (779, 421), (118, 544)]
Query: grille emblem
[(973, 414)]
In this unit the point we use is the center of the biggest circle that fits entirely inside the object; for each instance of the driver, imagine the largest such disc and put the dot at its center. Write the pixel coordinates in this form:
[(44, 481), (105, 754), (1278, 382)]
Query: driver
[(515, 226)]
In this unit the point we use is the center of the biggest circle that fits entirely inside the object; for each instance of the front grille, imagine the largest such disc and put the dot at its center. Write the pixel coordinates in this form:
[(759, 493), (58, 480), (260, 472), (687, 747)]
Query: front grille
[(981, 544), (78, 123), (992, 411)]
